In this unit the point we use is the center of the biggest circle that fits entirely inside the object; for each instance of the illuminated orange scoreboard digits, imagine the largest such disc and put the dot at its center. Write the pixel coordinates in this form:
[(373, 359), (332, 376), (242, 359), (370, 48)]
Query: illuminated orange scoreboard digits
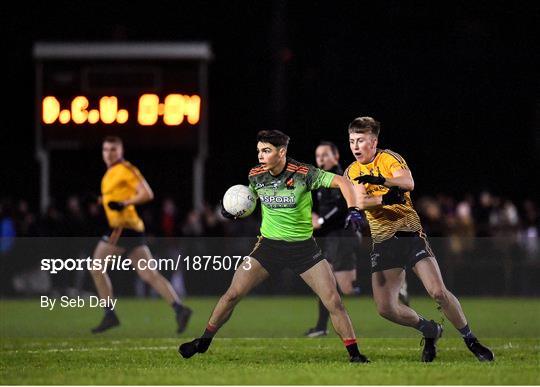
[(175, 109), (152, 95)]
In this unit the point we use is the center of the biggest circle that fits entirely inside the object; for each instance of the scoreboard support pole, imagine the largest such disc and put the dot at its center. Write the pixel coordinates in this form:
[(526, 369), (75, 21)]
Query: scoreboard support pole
[(42, 154), (200, 160), (43, 158)]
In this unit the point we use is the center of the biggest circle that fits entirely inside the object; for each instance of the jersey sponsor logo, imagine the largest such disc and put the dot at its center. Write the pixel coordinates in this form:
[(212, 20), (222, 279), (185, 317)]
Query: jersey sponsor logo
[(375, 188), (278, 201)]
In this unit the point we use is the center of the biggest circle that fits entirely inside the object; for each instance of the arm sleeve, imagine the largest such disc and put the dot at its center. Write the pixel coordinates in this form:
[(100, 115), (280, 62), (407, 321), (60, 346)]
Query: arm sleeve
[(317, 178), (347, 175)]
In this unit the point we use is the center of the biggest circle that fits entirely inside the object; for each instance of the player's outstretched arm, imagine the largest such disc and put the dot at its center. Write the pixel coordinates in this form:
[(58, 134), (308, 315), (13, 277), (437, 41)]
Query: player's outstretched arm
[(364, 201), (346, 189), (143, 194), (402, 178)]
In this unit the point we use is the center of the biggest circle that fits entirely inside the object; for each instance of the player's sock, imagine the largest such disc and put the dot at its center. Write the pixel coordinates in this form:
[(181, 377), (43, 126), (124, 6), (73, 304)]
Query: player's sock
[(352, 347), (466, 332), (428, 328), (209, 332), (109, 312), (322, 323), (178, 308), (354, 353), (183, 314)]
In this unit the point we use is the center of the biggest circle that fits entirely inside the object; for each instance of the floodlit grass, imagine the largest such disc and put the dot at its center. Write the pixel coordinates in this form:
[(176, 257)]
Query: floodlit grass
[(261, 344)]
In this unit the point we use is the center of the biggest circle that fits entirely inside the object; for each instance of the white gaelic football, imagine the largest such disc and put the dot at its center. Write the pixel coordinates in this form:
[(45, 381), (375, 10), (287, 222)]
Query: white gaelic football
[(239, 201)]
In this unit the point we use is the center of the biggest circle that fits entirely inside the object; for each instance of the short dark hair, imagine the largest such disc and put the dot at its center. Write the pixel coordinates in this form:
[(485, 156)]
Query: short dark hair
[(275, 137), (365, 125), (332, 146), (113, 139)]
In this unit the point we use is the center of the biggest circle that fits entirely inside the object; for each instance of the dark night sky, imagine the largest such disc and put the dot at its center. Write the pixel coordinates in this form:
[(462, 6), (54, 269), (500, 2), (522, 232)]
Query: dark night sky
[(455, 85)]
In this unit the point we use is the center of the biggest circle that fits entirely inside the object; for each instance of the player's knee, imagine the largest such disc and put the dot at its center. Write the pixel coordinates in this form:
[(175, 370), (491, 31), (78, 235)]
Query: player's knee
[(333, 303), (439, 294), (386, 310), (94, 272), (148, 276)]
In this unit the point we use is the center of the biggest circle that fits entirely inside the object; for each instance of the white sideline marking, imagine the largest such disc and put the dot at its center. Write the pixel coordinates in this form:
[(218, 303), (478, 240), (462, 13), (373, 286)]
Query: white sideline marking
[(167, 348)]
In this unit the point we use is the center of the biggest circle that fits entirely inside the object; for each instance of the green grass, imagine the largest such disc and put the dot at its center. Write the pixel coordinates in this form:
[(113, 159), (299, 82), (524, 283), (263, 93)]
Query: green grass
[(261, 344)]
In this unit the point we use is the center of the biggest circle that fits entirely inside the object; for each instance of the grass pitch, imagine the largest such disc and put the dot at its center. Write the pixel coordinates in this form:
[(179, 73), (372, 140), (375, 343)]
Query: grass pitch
[(261, 344)]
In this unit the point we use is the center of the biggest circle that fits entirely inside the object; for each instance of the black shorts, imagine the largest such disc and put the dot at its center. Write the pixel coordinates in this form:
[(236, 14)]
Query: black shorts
[(276, 255), (125, 238), (403, 250), (339, 248)]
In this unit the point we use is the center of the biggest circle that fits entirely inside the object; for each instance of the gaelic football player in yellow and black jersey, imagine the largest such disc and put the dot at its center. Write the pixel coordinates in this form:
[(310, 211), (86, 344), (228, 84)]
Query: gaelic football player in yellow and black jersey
[(383, 182), (122, 189)]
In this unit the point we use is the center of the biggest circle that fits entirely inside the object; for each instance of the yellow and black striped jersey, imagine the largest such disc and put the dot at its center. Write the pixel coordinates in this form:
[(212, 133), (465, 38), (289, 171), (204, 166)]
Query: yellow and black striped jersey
[(385, 221), (118, 184)]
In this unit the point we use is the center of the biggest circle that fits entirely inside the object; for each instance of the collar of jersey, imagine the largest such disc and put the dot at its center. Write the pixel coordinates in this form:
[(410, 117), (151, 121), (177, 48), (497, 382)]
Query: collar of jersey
[(116, 163)]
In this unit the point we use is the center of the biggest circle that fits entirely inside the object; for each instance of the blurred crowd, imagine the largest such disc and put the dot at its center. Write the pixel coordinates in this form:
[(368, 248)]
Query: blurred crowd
[(482, 215), (485, 215), (455, 228)]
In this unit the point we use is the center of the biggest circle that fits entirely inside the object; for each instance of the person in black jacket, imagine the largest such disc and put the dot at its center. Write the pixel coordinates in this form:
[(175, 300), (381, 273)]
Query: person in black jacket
[(338, 245)]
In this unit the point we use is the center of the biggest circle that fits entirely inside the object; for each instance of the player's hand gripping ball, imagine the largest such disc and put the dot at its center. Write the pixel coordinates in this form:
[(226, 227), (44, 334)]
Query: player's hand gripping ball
[(239, 201)]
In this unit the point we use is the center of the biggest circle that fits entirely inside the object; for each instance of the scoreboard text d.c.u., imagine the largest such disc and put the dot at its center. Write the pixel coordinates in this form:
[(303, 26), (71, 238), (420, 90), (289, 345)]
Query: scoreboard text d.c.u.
[(174, 110)]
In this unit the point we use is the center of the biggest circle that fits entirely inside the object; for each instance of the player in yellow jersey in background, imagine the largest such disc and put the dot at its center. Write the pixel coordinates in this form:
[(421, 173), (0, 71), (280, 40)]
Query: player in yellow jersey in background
[(122, 188), (383, 182)]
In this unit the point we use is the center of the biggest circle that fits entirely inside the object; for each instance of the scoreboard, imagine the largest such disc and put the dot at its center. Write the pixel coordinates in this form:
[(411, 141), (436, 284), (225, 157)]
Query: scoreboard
[(150, 94)]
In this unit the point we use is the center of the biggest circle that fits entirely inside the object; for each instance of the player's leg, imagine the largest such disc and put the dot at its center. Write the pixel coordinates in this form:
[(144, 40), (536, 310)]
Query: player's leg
[(329, 245), (250, 274), (429, 273), (247, 276), (103, 283), (321, 279), (140, 256), (345, 281), (386, 286)]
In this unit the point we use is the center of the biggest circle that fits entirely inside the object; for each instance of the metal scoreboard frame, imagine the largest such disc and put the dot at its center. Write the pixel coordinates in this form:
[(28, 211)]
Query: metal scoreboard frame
[(179, 52)]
